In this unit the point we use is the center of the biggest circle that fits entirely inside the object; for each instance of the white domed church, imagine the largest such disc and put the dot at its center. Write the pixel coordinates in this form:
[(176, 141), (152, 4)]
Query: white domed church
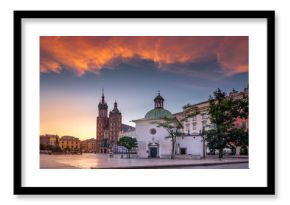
[(152, 141)]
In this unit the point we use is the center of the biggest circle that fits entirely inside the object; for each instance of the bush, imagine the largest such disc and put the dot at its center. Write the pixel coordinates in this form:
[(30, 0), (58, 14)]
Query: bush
[(211, 152), (56, 149), (42, 147), (244, 150), (233, 150)]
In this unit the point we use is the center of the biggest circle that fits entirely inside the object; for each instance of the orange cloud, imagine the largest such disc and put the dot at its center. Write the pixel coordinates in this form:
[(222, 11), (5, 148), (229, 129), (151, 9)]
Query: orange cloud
[(91, 54)]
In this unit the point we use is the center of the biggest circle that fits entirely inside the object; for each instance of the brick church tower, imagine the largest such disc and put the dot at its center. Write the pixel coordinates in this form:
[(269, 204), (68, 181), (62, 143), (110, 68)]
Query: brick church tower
[(108, 128), (102, 123), (115, 124)]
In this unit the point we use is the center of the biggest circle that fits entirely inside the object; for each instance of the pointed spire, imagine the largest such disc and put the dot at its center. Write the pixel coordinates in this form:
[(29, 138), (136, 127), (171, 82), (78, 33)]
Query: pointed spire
[(103, 105), (115, 110), (103, 96)]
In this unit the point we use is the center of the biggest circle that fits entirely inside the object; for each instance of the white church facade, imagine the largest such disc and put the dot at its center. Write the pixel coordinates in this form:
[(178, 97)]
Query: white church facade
[(153, 142)]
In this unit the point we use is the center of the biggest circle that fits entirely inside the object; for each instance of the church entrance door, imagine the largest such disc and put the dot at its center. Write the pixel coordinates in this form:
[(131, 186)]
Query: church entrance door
[(153, 152), (182, 151)]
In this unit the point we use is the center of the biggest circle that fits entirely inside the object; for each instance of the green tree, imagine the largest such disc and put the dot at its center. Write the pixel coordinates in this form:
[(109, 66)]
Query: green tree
[(56, 149), (43, 147), (128, 142), (173, 127), (223, 112)]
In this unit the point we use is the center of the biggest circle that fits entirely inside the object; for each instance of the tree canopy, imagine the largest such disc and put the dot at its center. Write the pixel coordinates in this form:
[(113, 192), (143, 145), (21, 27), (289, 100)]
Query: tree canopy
[(173, 127), (223, 112), (128, 142)]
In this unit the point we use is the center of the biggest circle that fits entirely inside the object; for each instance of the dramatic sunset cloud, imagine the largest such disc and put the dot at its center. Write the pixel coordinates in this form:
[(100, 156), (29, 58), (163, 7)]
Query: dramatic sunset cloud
[(91, 54), (132, 69)]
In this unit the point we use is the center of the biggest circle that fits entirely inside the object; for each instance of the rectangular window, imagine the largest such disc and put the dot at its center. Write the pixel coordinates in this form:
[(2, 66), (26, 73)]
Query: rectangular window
[(187, 127), (194, 126), (203, 116)]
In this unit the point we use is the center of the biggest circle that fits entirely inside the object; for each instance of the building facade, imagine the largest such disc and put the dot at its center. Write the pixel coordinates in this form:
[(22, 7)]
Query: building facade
[(52, 140), (108, 127), (88, 146), (69, 143), (195, 124), (128, 131)]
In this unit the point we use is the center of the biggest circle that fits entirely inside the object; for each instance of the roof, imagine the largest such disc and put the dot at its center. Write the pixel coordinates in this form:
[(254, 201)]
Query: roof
[(126, 128), (49, 136), (69, 138), (158, 113)]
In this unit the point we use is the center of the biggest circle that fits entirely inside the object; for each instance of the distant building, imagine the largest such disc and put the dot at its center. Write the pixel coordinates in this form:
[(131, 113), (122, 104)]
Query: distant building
[(195, 124), (89, 145), (48, 139), (69, 143), (108, 127), (127, 131)]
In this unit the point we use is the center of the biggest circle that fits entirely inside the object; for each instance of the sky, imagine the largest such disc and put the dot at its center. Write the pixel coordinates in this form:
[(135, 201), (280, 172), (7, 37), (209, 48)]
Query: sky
[(131, 70)]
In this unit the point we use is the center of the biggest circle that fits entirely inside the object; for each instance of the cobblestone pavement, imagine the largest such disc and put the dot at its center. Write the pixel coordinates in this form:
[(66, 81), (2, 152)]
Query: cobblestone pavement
[(88, 161)]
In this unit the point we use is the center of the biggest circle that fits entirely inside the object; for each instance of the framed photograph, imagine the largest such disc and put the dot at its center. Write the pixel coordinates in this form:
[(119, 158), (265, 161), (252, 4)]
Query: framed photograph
[(144, 102)]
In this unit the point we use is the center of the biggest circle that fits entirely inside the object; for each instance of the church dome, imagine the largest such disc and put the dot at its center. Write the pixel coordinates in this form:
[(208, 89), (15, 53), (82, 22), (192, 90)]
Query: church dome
[(158, 113)]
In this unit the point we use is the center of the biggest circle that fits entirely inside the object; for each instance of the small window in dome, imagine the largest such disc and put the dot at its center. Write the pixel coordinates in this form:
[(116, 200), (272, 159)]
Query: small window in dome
[(152, 131)]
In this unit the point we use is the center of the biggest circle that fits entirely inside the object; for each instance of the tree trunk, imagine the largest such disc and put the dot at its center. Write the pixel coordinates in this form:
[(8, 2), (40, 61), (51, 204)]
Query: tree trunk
[(220, 153), (172, 149), (203, 148)]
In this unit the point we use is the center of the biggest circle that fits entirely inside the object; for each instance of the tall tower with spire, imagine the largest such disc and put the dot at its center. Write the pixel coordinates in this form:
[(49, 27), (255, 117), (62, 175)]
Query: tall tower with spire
[(115, 124), (103, 107), (108, 127), (102, 122)]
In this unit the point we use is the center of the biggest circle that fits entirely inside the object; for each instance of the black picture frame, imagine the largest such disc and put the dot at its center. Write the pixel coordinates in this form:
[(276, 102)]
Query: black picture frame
[(268, 190)]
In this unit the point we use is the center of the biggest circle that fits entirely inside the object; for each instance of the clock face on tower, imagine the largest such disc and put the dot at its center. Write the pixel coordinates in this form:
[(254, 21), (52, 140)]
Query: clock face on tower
[(152, 131)]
